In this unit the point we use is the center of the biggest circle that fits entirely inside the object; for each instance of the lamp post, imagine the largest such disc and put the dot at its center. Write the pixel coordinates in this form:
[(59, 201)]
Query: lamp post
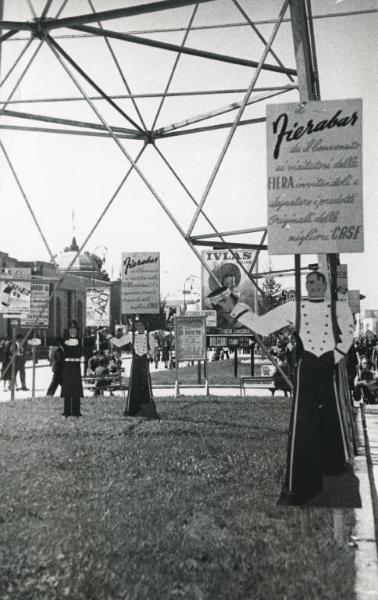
[(102, 258)]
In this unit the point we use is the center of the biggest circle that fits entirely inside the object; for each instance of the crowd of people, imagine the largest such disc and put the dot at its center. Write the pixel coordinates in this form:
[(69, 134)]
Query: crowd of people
[(8, 349)]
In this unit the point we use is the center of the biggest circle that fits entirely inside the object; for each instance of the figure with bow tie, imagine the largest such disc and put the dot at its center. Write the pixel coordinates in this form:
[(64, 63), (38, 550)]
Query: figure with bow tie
[(140, 402), (319, 440)]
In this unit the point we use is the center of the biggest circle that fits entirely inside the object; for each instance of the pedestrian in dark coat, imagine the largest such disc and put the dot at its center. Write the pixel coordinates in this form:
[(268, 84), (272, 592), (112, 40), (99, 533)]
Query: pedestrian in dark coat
[(57, 364), (72, 387), (6, 367)]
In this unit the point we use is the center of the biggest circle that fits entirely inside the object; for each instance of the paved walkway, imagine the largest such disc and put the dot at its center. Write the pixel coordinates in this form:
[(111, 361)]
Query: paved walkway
[(366, 469)]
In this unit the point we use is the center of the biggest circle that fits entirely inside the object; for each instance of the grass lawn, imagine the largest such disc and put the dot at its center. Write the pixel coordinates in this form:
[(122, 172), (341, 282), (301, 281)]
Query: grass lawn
[(111, 508), (220, 372)]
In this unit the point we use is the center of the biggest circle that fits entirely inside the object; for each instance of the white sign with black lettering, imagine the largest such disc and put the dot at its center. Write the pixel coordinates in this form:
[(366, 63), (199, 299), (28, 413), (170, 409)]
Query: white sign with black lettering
[(314, 162), (140, 290)]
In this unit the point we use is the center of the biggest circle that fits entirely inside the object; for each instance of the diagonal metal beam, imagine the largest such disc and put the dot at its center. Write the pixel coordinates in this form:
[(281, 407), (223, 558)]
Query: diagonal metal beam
[(204, 236), (151, 95), (30, 61), (23, 51), (211, 127), (174, 67), (127, 37), (216, 112), (46, 8), (259, 35), (238, 117), (92, 83), (228, 245), (8, 34), (87, 133), (117, 13), (205, 216), (58, 120), (118, 67)]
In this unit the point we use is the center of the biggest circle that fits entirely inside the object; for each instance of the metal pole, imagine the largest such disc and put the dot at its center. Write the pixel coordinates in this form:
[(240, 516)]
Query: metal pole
[(33, 370), (252, 359), (14, 325)]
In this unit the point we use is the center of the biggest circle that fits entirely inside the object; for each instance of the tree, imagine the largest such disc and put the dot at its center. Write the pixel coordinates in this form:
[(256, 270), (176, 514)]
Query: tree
[(97, 263), (272, 295)]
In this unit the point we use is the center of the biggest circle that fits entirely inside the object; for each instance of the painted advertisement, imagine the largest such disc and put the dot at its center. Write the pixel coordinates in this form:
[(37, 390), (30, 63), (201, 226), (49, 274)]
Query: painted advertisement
[(226, 270), (97, 307), (38, 316), (190, 336), (314, 177), (140, 287), (15, 292)]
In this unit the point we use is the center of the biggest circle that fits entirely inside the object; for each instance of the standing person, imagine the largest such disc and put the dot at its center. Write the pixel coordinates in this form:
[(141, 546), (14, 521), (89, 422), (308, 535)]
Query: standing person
[(319, 440), (72, 387), (140, 400), (6, 367), (156, 354), (57, 364), (165, 353), (20, 362)]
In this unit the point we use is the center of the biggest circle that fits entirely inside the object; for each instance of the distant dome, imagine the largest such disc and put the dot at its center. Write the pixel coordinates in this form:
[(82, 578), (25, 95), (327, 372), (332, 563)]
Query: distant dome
[(82, 263)]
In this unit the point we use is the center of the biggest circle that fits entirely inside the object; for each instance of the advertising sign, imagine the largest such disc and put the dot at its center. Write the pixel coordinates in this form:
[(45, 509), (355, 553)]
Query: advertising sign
[(15, 292), (342, 281), (38, 300), (190, 338), (140, 287), (229, 273), (211, 317), (354, 301), (314, 174), (97, 307)]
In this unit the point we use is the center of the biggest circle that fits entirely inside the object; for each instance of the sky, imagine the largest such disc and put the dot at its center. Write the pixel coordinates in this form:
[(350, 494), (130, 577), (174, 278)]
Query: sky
[(66, 175)]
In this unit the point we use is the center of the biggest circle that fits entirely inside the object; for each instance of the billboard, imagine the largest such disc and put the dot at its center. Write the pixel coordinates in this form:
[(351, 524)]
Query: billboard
[(39, 301), (314, 178), (15, 292), (140, 283), (190, 338), (97, 307), (229, 273)]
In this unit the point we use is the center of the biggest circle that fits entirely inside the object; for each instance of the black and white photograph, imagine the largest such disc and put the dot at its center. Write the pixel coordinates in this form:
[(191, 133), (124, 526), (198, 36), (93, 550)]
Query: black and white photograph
[(188, 300)]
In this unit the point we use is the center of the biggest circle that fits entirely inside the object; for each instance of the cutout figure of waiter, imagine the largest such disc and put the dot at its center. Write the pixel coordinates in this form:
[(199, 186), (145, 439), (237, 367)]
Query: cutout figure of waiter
[(319, 440)]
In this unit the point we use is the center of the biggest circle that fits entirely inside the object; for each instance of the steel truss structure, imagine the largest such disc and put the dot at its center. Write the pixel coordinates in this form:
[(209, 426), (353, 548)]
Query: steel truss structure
[(48, 28)]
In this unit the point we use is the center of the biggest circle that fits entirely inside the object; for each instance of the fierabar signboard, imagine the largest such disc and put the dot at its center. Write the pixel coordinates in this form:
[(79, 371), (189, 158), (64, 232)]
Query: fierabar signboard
[(15, 292), (140, 288), (190, 338), (229, 273), (314, 163), (39, 301), (97, 307)]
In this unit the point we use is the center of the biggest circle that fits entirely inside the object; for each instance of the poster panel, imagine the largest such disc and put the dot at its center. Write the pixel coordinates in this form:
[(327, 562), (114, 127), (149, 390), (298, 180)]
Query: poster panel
[(15, 292), (97, 307), (229, 273), (211, 317), (140, 283), (314, 178), (39, 299), (342, 281), (190, 338), (354, 301)]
